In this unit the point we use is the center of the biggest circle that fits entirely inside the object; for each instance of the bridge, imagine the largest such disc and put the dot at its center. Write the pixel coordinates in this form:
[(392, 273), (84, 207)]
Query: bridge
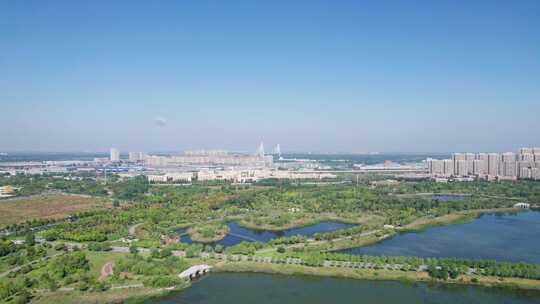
[(194, 271)]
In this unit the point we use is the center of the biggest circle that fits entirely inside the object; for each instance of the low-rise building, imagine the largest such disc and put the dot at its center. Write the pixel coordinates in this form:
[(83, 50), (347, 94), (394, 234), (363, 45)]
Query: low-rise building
[(170, 177), (7, 191)]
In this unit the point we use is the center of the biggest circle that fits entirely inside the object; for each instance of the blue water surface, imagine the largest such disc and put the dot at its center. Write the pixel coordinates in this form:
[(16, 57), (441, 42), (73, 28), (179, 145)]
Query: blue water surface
[(502, 237)]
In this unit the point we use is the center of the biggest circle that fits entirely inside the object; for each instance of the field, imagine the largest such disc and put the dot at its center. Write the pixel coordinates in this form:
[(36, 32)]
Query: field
[(46, 207)]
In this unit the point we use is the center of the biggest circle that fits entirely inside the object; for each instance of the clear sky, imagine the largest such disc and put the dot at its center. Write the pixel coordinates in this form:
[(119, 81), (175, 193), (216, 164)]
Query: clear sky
[(311, 75)]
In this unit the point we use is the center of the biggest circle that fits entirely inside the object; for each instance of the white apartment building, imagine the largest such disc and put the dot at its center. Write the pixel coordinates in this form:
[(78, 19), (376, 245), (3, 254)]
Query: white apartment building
[(115, 155), (435, 166), (448, 167), (505, 166), (493, 164), (457, 157), (136, 156), (462, 168)]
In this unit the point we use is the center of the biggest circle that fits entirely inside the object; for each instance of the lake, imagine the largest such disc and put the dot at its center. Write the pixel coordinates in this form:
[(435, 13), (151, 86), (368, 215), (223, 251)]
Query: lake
[(239, 234), (235, 288), (502, 237)]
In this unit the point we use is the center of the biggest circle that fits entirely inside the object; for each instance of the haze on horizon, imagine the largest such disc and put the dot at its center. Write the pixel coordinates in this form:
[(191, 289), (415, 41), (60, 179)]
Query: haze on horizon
[(326, 76)]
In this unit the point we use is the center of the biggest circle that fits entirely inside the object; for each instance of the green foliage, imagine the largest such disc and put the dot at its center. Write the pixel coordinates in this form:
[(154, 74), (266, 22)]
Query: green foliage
[(24, 254), (68, 264), (131, 189), (95, 246), (9, 288), (30, 239), (442, 268), (162, 281), (60, 246), (218, 248), (161, 254), (150, 267), (86, 186), (7, 247), (23, 297), (246, 248), (289, 240), (51, 235)]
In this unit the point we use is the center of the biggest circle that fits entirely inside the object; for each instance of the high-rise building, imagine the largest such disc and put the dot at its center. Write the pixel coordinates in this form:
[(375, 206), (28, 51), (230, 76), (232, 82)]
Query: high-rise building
[(115, 155), (480, 167), (462, 168), (136, 156), (448, 167), (509, 168), (526, 157), (508, 165), (504, 166), (435, 166), (470, 157), (493, 164), (508, 157), (457, 157)]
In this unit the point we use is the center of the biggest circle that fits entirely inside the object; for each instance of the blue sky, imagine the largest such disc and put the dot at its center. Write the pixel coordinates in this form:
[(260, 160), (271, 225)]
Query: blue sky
[(311, 75)]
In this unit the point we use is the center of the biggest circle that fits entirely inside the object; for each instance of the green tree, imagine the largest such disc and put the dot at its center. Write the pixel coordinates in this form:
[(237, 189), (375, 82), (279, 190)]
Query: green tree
[(30, 239)]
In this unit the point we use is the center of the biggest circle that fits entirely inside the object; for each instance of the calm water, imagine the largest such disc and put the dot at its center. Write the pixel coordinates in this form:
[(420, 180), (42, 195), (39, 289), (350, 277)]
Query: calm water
[(503, 237), (238, 288), (239, 234)]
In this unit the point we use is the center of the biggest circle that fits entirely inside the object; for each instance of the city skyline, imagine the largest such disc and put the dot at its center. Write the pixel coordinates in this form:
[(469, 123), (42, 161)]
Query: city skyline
[(356, 77)]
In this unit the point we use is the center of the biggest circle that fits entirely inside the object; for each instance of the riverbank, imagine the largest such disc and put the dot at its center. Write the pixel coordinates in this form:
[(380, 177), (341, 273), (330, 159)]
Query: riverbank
[(128, 295), (461, 217), (311, 219), (376, 236), (369, 274), (208, 233)]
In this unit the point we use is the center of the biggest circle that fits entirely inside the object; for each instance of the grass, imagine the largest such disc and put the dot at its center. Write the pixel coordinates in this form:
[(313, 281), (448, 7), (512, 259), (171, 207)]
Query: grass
[(135, 295), (55, 206), (98, 259)]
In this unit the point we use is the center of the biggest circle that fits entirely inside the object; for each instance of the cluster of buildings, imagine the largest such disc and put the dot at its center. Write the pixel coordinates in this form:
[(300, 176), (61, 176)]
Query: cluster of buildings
[(213, 165), (198, 158), (501, 166), (236, 175)]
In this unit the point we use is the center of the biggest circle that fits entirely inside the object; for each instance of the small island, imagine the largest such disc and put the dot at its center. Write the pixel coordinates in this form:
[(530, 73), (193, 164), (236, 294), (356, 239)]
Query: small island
[(208, 233)]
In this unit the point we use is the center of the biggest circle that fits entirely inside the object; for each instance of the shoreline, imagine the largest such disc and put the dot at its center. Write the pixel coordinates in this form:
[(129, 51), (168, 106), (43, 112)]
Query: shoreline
[(298, 224), (461, 217), (420, 224), (365, 274), (198, 238)]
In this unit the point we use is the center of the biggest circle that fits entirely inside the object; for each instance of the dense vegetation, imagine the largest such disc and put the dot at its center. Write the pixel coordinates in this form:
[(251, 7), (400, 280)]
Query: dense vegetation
[(152, 216), (441, 268)]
